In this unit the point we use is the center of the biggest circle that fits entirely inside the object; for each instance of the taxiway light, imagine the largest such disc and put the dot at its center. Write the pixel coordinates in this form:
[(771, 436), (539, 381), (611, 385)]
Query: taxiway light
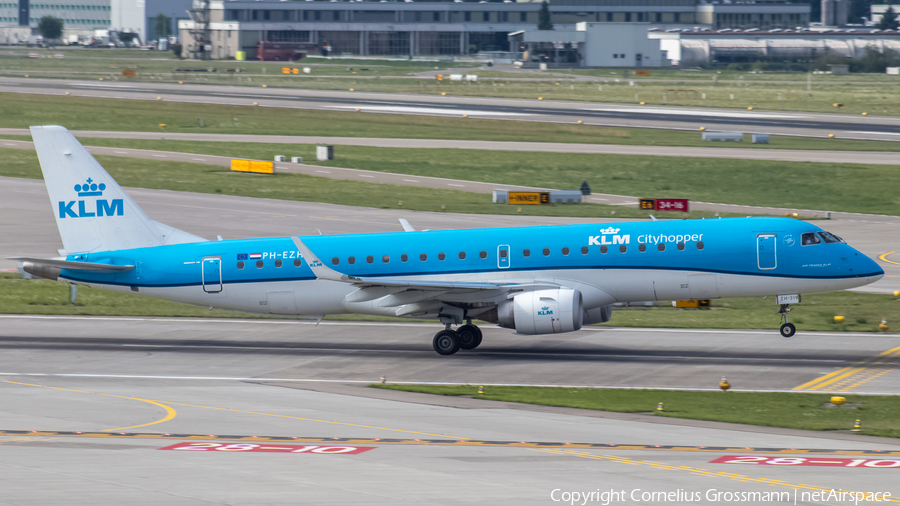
[(865, 114), (519, 210), (100, 78), (67, 93), (883, 326), (357, 109), (659, 407), (557, 84), (724, 384), (896, 293), (838, 319), (162, 125), (351, 89), (180, 82), (579, 122), (264, 86), (642, 103), (540, 98), (383, 379), (837, 401), (796, 215), (465, 115), (443, 93), (255, 103), (750, 108), (856, 426), (26, 75), (702, 128), (481, 389), (400, 203), (158, 98), (830, 136)]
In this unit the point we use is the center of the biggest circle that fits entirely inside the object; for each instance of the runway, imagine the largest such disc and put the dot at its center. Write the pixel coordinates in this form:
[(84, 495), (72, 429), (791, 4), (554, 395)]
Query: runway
[(632, 116), (228, 393)]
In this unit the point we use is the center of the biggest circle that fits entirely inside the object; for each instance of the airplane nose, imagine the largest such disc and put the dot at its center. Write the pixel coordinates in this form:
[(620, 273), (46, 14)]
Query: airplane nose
[(870, 268)]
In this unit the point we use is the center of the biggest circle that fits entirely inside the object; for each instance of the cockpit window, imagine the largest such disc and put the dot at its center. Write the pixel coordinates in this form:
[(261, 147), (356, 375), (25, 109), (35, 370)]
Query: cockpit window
[(830, 238), (809, 238)]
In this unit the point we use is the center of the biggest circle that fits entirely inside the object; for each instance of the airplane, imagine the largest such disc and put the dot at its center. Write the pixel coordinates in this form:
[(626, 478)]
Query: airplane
[(535, 280)]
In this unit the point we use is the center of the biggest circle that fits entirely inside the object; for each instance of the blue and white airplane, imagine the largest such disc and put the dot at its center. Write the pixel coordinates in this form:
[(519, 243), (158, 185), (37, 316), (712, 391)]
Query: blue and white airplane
[(536, 280)]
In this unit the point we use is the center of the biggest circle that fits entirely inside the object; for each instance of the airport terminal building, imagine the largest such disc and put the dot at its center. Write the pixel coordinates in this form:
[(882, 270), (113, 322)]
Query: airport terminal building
[(219, 29)]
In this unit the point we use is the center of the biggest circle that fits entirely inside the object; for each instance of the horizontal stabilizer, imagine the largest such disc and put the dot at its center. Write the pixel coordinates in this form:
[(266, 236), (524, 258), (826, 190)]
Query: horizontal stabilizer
[(75, 266)]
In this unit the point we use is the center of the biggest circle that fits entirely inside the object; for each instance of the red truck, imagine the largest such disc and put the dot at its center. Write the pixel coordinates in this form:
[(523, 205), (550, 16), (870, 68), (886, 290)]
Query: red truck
[(283, 51)]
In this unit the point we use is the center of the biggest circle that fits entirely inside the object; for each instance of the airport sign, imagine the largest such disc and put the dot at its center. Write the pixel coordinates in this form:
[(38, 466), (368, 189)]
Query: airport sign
[(528, 198), (267, 448), (664, 204)]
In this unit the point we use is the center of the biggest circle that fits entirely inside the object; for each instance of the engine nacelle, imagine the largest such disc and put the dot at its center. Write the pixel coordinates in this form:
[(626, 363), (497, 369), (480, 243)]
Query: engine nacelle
[(543, 312)]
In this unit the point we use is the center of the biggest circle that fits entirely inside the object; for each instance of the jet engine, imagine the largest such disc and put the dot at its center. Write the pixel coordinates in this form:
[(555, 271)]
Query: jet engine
[(543, 312)]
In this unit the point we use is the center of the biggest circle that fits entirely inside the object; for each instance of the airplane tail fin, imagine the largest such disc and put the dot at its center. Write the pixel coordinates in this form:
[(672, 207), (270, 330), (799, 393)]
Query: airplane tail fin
[(92, 211)]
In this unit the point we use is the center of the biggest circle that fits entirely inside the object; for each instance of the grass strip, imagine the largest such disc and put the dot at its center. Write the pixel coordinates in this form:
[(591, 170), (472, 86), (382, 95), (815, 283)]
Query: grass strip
[(79, 113), (863, 312), (804, 185), (202, 178), (803, 411)]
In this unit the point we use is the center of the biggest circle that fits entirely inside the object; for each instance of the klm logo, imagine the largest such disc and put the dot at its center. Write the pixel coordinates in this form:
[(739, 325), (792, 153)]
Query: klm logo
[(605, 235), (315, 263), (545, 311), (101, 207)]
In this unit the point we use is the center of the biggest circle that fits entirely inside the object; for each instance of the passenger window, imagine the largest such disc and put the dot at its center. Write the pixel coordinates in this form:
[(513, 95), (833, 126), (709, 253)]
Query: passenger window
[(546, 252), (830, 238), (298, 262), (423, 257), (462, 255), (504, 253), (680, 246), (278, 263), (370, 259), (240, 265), (441, 256), (623, 248), (584, 250), (661, 246), (565, 251), (404, 257), (526, 252), (483, 254), (642, 247), (259, 264), (351, 260), (809, 238), (386, 258), (700, 245), (603, 249), (334, 261)]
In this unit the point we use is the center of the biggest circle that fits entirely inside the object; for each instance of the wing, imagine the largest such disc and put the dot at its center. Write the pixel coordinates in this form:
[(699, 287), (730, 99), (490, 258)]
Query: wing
[(377, 287)]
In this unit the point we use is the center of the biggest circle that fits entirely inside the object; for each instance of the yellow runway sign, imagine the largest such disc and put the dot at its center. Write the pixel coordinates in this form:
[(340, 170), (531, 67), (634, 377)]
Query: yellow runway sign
[(528, 198)]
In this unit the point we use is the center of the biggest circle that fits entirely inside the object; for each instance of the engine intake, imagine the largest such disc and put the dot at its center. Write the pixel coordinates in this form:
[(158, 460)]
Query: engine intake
[(543, 312)]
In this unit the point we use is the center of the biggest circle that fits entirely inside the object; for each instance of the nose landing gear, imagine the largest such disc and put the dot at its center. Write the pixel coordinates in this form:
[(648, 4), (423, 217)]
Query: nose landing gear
[(787, 329)]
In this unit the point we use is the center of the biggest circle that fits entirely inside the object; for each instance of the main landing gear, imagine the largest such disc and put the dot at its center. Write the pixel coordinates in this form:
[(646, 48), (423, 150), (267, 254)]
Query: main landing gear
[(787, 329), (449, 341)]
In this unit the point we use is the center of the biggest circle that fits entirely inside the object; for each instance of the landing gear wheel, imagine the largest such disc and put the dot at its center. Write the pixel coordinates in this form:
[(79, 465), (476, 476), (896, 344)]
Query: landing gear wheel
[(446, 342), (469, 337), (787, 330)]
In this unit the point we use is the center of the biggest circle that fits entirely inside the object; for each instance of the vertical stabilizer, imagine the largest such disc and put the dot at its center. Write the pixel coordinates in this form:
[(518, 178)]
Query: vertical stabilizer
[(92, 211)]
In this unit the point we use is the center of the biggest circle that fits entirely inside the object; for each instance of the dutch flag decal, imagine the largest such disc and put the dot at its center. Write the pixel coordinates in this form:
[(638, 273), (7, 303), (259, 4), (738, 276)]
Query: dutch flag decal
[(254, 256)]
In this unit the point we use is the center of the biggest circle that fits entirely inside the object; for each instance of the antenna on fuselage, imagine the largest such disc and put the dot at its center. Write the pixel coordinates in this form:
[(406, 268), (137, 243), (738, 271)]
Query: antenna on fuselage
[(653, 218)]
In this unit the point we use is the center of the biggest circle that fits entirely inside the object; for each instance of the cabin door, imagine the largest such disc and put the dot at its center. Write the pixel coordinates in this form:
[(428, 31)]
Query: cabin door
[(212, 275), (766, 256)]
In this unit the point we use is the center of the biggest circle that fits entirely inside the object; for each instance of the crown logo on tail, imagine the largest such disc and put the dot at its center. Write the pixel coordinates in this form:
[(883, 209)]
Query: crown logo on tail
[(90, 189)]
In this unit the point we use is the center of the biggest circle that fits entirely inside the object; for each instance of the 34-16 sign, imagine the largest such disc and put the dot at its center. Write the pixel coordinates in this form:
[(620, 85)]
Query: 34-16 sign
[(665, 204)]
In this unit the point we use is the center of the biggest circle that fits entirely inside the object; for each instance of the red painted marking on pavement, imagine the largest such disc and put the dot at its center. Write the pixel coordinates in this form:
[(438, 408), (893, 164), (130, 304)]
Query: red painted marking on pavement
[(251, 447), (804, 461)]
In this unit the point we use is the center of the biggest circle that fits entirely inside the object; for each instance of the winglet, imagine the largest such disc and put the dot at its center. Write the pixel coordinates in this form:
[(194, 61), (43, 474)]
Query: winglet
[(406, 226), (319, 268)]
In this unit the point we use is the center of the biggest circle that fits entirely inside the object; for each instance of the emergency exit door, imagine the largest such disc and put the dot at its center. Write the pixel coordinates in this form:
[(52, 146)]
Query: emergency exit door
[(503, 256)]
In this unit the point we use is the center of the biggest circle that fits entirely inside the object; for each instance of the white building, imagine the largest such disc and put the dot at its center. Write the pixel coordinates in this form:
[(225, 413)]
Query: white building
[(80, 17)]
